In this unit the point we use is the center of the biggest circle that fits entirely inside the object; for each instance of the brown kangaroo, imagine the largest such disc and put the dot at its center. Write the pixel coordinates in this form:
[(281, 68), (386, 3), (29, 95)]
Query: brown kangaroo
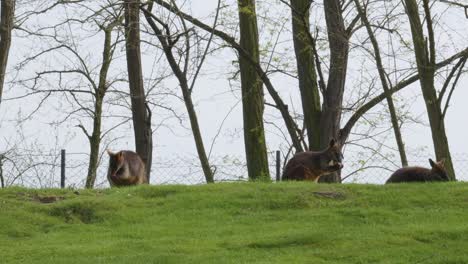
[(311, 165), (419, 174), (126, 168)]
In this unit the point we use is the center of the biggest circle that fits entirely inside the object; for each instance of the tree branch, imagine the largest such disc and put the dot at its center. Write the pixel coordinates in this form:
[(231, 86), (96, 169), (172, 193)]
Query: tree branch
[(345, 131), (454, 84)]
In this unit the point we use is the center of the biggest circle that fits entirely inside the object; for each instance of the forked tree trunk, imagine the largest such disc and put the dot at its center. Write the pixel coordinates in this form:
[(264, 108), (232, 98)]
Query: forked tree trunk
[(306, 73), (332, 103), (252, 94), (141, 117), (6, 26), (425, 59)]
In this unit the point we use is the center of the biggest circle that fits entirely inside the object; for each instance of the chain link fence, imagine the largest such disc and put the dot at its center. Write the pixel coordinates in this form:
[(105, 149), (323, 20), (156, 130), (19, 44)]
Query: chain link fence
[(44, 170)]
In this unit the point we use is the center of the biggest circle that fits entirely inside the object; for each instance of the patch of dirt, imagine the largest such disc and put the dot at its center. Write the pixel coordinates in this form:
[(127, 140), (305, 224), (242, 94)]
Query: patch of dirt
[(333, 195), (47, 199), (82, 211)]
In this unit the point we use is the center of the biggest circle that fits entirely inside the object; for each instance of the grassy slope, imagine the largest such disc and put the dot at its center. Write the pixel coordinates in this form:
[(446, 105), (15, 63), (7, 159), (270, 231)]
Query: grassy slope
[(238, 223)]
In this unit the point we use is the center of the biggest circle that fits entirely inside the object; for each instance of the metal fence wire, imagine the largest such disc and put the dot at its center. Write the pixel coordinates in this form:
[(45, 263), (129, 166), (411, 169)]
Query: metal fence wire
[(44, 171)]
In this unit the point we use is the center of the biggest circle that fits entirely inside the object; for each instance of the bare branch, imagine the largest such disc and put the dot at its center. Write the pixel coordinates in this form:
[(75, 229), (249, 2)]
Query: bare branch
[(454, 84), (84, 130), (465, 7), (344, 133)]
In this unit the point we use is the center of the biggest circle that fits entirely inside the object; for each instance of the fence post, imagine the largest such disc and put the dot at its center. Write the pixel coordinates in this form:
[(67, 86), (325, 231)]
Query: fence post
[(62, 169), (278, 166)]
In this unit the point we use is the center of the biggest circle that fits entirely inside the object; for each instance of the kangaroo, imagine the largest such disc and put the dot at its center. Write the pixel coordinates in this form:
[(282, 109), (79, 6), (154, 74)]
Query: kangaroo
[(311, 165), (126, 168), (419, 174)]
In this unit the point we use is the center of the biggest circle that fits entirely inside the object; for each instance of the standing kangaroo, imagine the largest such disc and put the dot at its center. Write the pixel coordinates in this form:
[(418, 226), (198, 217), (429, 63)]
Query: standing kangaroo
[(126, 168), (311, 165), (419, 174)]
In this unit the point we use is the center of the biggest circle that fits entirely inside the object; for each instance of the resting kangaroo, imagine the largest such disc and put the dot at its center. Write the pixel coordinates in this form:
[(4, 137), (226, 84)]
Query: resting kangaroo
[(419, 174), (310, 165), (126, 168)]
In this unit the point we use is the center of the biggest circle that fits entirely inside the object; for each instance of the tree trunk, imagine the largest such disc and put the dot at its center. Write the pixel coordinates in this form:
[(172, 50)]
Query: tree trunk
[(94, 143), (385, 85), (209, 177), (306, 71), (100, 92), (425, 59), (333, 98), (141, 118), (6, 26), (252, 94)]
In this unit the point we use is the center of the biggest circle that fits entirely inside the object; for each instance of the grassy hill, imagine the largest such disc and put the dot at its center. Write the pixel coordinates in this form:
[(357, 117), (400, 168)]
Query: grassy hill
[(237, 223)]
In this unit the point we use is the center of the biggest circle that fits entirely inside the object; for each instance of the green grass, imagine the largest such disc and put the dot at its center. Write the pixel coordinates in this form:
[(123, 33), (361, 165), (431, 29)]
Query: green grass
[(237, 223)]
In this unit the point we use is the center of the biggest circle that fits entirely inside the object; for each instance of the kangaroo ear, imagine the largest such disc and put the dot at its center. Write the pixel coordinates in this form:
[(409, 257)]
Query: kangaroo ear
[(332, 143), (109, 152), (432, 163)]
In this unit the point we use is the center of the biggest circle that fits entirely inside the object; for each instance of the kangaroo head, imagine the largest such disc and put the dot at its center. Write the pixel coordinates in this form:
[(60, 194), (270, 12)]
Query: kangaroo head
[(332, 157), (438, 169), (116, 162)]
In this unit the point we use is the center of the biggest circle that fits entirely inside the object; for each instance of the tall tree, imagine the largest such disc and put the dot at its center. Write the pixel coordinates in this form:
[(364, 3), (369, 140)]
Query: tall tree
[(252, 94), (168, 42), (424, 51), (304, 50), (385, 85), (338, 41), (6, 25), (140, 111), (99, 92)]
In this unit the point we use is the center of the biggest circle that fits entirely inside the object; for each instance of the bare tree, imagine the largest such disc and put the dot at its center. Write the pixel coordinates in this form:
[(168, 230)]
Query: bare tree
[(87, 103), (385, 84), (99, 92), (6, 25), (140, 109), (425, 53), (168, 41)]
